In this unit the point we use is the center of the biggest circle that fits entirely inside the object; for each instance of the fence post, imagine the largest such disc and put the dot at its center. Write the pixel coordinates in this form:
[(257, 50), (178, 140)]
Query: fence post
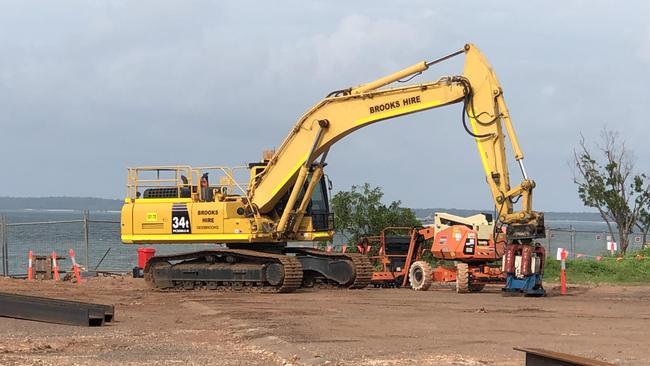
[(573, 241), (86, 238), (6, 245), (3, 243)]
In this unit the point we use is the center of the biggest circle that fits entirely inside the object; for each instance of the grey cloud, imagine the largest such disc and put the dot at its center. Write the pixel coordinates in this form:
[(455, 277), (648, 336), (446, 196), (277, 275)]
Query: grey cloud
[(89, 88)]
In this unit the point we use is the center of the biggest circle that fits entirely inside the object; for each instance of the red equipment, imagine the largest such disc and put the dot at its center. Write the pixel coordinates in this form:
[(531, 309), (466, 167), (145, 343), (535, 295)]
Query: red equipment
[(396, 249), (55, 267), (401, 258), (30, 270), (144, 254), (75, 266)]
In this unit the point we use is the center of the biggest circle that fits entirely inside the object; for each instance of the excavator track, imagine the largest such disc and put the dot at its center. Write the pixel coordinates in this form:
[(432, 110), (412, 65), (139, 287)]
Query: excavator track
[(256, 271), (364, 270), (361, 264), (159, 271)]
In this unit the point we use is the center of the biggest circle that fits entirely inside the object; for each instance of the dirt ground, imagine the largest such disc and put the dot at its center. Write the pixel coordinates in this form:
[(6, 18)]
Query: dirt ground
[(329, 327)]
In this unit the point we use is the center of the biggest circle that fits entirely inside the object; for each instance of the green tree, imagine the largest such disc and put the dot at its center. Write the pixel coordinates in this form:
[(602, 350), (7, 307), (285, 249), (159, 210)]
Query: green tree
[(611, 186), (360, 212)]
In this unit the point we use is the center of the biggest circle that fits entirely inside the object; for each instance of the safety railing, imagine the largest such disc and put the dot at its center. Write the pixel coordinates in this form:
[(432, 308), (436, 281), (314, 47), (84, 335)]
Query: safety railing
[(159, 180), (185, 182)]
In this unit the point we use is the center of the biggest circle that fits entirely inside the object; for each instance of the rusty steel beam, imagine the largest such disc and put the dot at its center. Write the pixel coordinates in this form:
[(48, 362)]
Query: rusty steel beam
[(542, 357), (54, 310)]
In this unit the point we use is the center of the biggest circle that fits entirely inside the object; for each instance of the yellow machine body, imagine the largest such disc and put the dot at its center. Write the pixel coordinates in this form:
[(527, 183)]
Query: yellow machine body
[(191, 214)]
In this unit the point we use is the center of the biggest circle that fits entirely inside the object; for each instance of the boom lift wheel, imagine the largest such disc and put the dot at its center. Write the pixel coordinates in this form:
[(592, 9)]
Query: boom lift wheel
[(420, 276), (462, 278), (477, 287), (463, 284)]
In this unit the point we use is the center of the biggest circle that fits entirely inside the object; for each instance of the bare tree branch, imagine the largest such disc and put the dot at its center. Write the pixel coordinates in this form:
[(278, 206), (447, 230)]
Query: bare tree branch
[(611, 186)]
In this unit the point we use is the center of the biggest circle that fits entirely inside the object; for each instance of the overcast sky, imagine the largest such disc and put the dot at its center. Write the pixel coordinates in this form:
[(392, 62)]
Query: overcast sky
[(89, 88)]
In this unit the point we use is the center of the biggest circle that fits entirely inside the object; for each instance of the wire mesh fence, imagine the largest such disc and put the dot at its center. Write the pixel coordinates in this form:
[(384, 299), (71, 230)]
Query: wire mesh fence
[(586, 243), (95, 240), (48, 236), (62, 236)]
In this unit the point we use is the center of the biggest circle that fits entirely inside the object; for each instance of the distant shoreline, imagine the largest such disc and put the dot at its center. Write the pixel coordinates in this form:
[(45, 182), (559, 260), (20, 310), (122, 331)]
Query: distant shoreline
[(60, 203), (550, 216)]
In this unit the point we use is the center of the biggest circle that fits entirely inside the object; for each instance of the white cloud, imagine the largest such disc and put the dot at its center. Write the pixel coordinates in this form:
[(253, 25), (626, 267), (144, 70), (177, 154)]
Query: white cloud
[(124, 82), (344, 54)]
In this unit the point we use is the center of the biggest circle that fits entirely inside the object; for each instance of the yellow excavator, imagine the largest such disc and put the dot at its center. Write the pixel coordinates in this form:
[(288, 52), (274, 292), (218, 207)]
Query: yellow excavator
[(285, 197)]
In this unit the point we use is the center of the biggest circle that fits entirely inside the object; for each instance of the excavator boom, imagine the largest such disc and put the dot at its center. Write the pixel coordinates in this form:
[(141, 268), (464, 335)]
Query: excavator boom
[(338, 115)]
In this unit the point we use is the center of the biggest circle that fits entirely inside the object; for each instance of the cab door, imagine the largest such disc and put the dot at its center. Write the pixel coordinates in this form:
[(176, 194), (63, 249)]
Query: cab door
[(319, 209)]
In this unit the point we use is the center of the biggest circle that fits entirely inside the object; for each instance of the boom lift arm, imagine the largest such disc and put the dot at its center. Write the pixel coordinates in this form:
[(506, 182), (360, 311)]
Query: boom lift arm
[(300, 159)]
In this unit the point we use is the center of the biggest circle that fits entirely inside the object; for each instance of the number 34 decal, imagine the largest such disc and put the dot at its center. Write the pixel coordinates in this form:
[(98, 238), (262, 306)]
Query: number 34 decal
[(180, 223), (180, 219)]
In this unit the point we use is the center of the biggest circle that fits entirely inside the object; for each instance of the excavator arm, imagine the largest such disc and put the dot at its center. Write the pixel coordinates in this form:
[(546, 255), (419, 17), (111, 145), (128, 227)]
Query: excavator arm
[(297, 165)]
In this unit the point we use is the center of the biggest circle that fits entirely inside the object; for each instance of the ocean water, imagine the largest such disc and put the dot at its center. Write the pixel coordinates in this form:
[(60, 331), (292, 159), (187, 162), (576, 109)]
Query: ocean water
[(103, 240), (580, 234)]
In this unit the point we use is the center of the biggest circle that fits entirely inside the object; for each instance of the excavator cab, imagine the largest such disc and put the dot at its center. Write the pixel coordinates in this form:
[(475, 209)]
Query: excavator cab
[(319, 208)]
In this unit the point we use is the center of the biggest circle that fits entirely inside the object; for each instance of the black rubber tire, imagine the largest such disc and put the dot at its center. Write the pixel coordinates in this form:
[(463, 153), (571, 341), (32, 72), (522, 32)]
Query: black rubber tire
[(476, 287), (462, 278), (420, 276)]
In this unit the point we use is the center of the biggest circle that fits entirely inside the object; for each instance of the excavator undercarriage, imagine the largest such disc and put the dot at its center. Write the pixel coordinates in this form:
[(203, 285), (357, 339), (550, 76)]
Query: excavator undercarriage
[(253, 270)]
